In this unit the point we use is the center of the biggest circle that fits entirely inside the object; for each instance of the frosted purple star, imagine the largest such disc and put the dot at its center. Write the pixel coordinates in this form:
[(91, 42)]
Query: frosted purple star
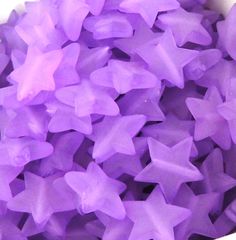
[(166, 59), (154, 218), (174, 162), (97, 192)]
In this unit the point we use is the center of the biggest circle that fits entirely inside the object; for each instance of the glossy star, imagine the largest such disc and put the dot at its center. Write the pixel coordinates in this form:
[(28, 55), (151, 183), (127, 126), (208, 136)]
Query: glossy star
[(193, 31), (20, 151), (199, 221), (40, 198), (166, 60), (154, 218), (148, 9), (166, 162), (97, 192), (36, 74), (124, 76), (114, 135), (144, 102), (208, 121), (72, 15), (87, 100)]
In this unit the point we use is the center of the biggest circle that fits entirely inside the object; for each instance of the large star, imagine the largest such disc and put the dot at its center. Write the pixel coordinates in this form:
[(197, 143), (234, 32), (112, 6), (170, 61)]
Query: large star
[(148, 9), (193, 31), (97, 192), (124, 76), (166, 162), (199, 221), (114, 135), (166, 60), (40, 198), (87, 100), (36, 74), (208, 121), (154, 218)]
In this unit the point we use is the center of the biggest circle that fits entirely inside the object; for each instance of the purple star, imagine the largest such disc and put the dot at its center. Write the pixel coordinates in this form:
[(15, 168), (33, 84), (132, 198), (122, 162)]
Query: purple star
[(142, 35), (166, 59), (124, 76), (192, 32), (199, 221), (227, 32), (7, 175), (114, 135), (64, 119), (144, 102), (65, 147), (148, 9), (66, 74), (36, 74), (20, 151), (208, 121), (154, 218), (171, 131), (87, 100), (120, 164), (174, 162), (29, 122), (109, 25), (215, 180), (97, 192), (72, 15), (41, 201)]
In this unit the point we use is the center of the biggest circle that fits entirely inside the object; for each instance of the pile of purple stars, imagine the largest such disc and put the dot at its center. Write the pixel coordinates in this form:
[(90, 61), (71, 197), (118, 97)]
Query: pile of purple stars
[(118, 121)]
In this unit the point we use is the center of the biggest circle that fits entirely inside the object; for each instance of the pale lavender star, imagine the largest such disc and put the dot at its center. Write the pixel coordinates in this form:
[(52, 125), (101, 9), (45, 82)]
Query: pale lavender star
[(36, 74), (154, 218), (115, 134), (170, 161), (144, 102), (124, 76), (208, 121), (109, 25), (166, 60), (67, 74), (193, 31), (87, 99), (40, 198), (72, 15), (199, 221), (148, 9), (97, 192), (20, 151)]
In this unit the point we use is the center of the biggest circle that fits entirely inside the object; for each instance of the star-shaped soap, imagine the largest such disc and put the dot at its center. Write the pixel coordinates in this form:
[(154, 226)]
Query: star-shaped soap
[(115, 134), (170, 161), (215, 179), (154, 218), (144, 102), (124, 76), (97, 192), (72, 15), (20, 151), (148, 9), (193, 31), (40, 198), (208, 121), (109, 25), (199, 221), (227, 32), (36, 74), (166, 60), (87, 99)]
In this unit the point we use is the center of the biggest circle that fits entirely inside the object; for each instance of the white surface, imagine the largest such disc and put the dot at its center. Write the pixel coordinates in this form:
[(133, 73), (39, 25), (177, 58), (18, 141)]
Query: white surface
[(6, 6)]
